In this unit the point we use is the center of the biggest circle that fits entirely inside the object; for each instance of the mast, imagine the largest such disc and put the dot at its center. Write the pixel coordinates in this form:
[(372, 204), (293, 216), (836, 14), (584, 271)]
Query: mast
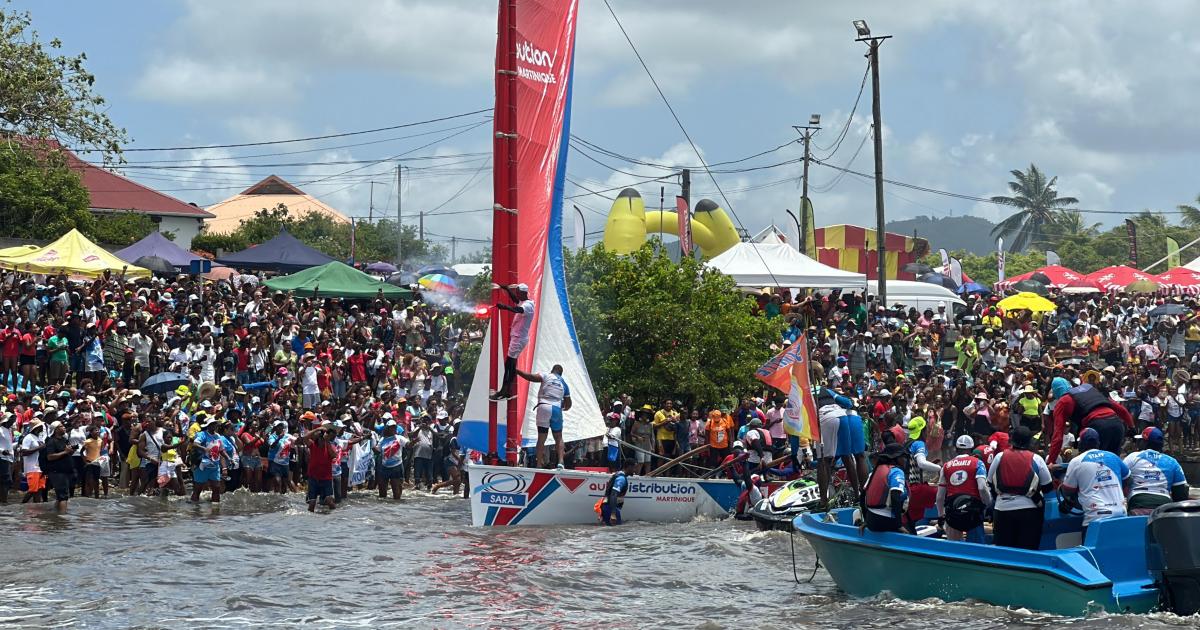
[(504, 219)]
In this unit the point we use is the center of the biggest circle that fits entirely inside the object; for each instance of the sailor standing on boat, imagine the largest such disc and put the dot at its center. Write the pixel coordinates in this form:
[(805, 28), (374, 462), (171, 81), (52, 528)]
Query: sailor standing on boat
[(962, 492), (1155, 477), (885, 498), (1095, 481), (1018, 476), (553, 398), (518, 334)]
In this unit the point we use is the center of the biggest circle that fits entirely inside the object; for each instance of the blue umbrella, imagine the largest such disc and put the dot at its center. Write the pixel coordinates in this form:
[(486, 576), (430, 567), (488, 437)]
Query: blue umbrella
[(973, 287), (165, 382), (432, 269), (940, 280), (381, 267)]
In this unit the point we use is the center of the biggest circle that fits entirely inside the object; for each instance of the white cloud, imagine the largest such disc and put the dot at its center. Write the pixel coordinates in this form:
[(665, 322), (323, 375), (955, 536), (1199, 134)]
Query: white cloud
[(183, 80)]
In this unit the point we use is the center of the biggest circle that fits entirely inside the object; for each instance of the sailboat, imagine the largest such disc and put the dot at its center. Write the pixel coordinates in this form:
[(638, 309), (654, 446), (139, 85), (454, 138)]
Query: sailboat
[(535, 48)]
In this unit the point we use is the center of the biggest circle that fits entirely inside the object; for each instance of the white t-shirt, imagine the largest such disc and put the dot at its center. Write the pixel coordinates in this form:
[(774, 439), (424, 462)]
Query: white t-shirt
[(1098, 475), (553, 389), (519, 335), (6, 444), (308, 380), (1005, 501), (32, 442)]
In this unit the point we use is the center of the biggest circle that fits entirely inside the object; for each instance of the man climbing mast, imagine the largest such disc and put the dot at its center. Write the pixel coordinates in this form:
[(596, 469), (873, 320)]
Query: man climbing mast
[(518, 336)]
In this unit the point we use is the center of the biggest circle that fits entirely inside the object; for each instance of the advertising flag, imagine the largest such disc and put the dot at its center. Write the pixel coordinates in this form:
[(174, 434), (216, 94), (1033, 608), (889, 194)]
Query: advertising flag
[(685, 226), (945, 262), (1172, 253), (1000, 259), (788, 372), (1052, 258), (1131, 229), (810, 230)]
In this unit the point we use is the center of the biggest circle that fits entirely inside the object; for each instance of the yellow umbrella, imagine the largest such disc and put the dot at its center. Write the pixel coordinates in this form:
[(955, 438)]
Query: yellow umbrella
[(1027, 302)]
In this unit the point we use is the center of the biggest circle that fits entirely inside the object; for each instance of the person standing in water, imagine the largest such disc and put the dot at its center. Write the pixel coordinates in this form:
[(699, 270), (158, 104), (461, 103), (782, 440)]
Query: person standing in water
[(518, 335)]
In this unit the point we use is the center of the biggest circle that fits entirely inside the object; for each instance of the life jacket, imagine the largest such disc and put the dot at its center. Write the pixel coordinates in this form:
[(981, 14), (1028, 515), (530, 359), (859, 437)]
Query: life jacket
[(1087, 398), (1016, 475), (960, 476), (986, 454), (877, 487)]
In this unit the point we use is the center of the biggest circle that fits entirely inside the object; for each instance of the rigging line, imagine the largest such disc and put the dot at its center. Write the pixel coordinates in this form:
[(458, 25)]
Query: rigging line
[(460, 191), (279, 153), (308, 139), (849, 119), (399, 155), (686, 135), (600, 192)]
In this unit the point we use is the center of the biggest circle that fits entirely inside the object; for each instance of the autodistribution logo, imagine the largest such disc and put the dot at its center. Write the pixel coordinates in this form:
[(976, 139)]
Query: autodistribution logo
[(533, 56)]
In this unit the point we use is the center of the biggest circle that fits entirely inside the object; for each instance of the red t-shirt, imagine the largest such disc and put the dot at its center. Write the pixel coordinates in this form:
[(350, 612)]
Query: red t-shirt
[(28, 345), (12, 342), (320, 462)]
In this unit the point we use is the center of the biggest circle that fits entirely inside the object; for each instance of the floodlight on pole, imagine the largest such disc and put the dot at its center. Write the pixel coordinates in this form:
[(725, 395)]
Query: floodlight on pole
[(814, 120), (862, 28)]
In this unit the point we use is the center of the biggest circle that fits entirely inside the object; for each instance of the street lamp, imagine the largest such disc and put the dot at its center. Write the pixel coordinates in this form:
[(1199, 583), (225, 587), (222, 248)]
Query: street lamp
[(873, 43), (814, 120)]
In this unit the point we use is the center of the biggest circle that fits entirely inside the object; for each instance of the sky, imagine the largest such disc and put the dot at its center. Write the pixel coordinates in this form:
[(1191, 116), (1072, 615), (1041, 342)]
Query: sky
[(1099, 94)]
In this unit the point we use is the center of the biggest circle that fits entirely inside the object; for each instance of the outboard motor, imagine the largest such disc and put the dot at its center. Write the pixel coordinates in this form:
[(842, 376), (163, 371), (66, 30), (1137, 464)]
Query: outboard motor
[(1173, 555)]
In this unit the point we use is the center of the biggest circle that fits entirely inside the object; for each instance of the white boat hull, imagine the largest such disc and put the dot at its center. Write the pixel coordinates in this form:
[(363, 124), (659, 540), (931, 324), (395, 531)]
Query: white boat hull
[(506, 495)]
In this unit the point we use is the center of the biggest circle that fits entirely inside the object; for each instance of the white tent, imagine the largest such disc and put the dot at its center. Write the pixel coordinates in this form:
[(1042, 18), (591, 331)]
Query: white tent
[(773, 263)]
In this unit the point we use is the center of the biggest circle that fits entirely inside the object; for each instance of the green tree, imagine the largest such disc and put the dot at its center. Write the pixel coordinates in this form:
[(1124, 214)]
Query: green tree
[(1190, 214), (40, 201), (45, 95), (1037, 203), (657, 329), (123, 229)]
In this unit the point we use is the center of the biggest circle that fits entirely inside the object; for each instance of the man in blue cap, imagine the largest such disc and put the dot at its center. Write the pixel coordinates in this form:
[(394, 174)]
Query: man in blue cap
[(1084, 406), (1095, 481), (1155, 478)]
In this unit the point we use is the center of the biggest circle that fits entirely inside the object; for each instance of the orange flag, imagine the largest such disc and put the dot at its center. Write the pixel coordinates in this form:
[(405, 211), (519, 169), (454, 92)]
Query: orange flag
[(788, 372)]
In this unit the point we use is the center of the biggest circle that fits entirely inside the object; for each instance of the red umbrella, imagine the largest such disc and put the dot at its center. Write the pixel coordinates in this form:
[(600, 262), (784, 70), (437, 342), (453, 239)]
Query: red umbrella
[(1117, 277), (1059, 277), (1083, 285), (1180, 280)]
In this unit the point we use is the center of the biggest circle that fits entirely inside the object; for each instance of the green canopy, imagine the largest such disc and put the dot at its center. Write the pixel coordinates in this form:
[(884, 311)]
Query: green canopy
[(335, 280)]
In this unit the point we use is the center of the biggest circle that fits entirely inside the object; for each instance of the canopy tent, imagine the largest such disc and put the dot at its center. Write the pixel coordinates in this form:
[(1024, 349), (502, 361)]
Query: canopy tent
[(1179, 280), (72, 254), (1059, 277), (155, 244), (773, 263), (283, 253), (335, 279), (1118, 277), (17, 250)]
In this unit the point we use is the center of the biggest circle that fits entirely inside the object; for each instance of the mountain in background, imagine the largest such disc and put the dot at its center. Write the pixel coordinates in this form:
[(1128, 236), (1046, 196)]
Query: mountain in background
[(970, 233)]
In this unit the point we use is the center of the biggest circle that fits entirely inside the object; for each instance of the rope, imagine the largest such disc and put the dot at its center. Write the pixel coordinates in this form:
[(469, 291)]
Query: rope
[(816, 563)]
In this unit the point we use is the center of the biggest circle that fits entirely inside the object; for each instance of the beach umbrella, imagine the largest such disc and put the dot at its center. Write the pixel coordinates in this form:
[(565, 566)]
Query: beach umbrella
[(1031, 286), (1169, 309), (432, 269), (940, 280), (437, 282), (164, 382), (381, 267), (1027, 302), (1041, 277), (916, 268), (157, 264), (221, 272), (1083, 285), (973, 287), (1142, 286), (402, 278)]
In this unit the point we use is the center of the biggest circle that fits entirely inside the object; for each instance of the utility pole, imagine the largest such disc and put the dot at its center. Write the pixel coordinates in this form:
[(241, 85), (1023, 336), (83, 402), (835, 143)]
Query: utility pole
[(421, 227), (806, 133), (685, 186), (873, 43), (453, 249), (399, 216), (371, 206)]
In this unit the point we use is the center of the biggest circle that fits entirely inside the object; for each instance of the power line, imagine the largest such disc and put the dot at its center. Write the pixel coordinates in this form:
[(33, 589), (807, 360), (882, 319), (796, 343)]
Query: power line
[(671, 167), (849, 119), (460, 191), (307, 139)]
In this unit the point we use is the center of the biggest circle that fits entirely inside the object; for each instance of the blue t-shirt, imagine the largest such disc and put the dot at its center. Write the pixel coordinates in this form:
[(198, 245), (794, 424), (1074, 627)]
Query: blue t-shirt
[(392, 451), (1152, 472), (210, 448), (917, 447)]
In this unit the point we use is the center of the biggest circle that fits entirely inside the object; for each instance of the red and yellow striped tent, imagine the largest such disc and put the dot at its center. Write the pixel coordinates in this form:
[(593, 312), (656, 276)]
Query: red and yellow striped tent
[(852, 248)]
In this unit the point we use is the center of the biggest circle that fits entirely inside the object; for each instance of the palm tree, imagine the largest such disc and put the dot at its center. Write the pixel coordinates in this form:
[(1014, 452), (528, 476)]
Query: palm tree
[(1038, 204), (1190, 214), (1066, 223)]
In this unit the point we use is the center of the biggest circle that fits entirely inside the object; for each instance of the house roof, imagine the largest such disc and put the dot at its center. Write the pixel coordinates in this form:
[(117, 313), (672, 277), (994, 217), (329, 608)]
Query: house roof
[(113, 193), (227, 215)]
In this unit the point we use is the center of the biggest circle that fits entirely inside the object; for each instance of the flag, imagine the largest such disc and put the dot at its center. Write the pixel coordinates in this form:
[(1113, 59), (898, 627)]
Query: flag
[(956, 274), (788, 372), (1052, 258), (1131, 229), (1172, 253), (1000, 259), (810, 230), (945, 262), (580, 229), (685, 226), (352, 230)]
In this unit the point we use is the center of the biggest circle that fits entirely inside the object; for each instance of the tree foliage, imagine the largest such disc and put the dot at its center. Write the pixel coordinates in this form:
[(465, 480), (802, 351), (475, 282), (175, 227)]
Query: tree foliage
[(657, 329), (122, 229), (373, 241), (47, 95), (1037, 203), (40, 201)]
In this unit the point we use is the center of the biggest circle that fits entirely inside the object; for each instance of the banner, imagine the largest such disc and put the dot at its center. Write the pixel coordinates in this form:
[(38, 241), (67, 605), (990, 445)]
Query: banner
[(580, 230), (1172, 253), (360, 462), (685, 226), (788, 372), (810, 230), (1131, 229), (1052, 258), (1000, 259), (956, 274), (945, 262)]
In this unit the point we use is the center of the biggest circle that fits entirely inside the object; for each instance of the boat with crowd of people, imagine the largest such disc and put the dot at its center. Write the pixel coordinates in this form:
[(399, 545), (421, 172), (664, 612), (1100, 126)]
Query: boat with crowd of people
[(1130, 564)]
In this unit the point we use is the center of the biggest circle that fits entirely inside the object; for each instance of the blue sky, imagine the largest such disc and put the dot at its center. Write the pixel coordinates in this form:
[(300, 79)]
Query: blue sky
[(1099, 93)]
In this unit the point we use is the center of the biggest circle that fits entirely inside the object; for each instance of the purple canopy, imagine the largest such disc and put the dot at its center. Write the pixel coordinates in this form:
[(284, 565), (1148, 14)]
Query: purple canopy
[(381, 267), (155, 244)]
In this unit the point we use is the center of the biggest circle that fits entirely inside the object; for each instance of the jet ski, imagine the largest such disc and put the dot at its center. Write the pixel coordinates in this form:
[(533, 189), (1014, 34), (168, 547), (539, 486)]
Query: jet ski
[(778, 510)]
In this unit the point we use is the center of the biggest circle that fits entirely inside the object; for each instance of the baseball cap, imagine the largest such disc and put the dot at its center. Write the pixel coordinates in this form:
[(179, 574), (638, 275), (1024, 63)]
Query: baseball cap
[(1152, 434), (915, 426), (964, 441), (390, 423), (523, 287)]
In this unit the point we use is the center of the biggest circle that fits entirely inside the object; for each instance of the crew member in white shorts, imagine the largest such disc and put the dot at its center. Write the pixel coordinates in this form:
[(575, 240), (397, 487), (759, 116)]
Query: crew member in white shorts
[(553, 397)]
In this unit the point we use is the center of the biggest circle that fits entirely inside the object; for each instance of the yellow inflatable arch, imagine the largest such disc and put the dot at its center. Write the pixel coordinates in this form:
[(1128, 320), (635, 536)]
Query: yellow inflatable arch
[(629, 223)]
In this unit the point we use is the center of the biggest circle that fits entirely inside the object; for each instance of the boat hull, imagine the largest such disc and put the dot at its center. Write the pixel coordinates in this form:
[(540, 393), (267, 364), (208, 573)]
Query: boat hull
[(505, 495), (1073, 581)]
